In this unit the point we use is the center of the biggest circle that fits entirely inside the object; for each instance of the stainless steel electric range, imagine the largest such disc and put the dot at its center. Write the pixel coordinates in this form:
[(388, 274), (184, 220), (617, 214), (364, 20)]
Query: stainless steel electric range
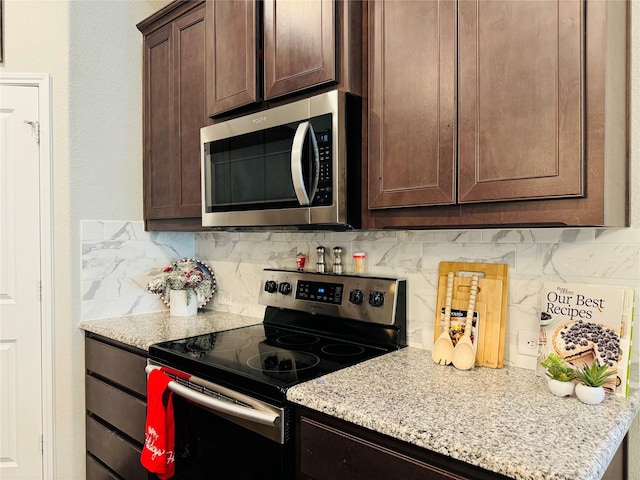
[(230, 387)]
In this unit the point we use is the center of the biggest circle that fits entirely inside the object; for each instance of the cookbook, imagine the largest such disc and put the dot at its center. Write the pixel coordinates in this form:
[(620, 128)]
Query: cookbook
[(583, 323)]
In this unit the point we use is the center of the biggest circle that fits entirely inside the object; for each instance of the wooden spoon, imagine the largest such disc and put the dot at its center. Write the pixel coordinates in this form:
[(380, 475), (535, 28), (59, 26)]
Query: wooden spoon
[(442, 352), (464, 355)]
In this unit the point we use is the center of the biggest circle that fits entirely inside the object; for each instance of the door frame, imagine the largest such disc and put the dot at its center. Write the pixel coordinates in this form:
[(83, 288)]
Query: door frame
[(44, 84)]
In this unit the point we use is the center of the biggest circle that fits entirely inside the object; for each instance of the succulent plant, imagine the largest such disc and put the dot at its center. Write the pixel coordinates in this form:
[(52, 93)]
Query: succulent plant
[(558, 368), (594, 375)]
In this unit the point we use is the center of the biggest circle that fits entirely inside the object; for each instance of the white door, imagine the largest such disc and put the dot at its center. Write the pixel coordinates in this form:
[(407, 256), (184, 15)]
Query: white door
[(21, 414)]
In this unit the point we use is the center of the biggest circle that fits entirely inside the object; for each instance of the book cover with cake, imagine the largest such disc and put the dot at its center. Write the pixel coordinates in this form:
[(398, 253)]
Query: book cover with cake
[(586, 322)]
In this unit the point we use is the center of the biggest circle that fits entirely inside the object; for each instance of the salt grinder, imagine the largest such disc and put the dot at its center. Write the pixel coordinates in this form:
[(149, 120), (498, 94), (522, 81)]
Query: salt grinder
[(320, 264), (337, 260)]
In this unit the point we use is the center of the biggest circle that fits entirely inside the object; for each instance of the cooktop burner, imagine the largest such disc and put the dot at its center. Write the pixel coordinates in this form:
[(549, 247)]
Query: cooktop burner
[(283, 363), (314, 324), (342, 349), (297, 339)]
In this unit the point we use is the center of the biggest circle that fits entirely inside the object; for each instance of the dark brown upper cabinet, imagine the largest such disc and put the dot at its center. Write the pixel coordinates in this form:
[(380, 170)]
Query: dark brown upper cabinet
[(412, 109), (299, 45), (174, 110), (520, 100), (259, 52), (496, 113), (232, 46)]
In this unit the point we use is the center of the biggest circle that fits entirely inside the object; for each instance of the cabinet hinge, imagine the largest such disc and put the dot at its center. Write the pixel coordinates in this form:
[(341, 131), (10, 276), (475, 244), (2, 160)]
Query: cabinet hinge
[(41, 444), (39, 289)]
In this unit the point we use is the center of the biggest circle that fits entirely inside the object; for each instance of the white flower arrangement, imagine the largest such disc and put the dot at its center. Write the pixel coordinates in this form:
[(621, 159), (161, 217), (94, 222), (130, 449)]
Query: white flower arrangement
[(184, 274)]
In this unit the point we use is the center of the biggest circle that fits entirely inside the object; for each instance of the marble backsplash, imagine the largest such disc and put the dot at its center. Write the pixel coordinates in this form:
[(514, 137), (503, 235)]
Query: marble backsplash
[(118, 258)]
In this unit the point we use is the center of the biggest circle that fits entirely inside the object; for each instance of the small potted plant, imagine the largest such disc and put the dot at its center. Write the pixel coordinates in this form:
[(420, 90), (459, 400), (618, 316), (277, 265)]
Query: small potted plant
[(561, 375), (592, 378)]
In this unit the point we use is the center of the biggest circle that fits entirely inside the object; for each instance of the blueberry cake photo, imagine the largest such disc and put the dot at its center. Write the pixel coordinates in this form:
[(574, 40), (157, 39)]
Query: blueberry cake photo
[(581, 342)]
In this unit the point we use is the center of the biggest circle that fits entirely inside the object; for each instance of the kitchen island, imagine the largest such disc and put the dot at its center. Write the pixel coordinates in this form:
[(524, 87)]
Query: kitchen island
[(502, 420)]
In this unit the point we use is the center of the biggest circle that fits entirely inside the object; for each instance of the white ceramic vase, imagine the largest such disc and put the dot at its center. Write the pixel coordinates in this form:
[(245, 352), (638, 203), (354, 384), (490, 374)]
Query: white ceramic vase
[(590, 395), (179, 306), (560, 389)]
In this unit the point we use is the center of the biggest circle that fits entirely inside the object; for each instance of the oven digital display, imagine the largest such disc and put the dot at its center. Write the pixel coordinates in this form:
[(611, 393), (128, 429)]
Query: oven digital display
[(320, 292)]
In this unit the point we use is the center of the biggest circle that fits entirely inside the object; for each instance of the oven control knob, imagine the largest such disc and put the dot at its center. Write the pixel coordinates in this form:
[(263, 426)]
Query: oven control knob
[(271, 286), (356, 296), (285, 288), (376, 299)]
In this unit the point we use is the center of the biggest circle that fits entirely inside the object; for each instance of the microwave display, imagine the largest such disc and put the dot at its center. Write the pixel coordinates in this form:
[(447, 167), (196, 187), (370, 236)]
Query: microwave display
[(254, 169)]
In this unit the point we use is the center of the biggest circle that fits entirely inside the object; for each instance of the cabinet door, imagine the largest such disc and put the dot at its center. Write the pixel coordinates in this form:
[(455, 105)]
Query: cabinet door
[(299, 45), (412, 113), (190, 108), (175, 110), (520, 100), (327, 454), (328, 448), (232, 55), (160, 125)]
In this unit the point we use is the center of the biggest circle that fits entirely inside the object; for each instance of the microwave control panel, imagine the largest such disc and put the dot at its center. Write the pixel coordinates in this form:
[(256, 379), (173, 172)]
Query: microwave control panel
[(325, 175)]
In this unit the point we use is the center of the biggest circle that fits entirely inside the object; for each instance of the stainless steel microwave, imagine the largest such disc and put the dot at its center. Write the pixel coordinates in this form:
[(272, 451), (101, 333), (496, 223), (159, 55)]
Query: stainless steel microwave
[(293, 165)]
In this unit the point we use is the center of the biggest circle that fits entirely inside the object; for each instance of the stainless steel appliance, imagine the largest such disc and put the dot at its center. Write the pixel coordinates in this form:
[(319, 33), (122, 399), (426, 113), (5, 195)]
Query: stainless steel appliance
[(293, 165), (232, 415)]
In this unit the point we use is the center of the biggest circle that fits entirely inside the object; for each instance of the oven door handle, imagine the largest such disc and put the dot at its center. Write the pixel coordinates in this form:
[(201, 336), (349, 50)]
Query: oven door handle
[(245, 413)]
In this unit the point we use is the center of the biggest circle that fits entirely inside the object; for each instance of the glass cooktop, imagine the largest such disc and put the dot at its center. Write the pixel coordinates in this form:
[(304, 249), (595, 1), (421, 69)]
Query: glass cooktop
[(264, 359)]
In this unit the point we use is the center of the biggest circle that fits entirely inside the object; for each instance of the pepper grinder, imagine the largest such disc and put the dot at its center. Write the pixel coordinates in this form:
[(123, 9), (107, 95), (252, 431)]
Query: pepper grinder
[(320, 265), (337, 260)]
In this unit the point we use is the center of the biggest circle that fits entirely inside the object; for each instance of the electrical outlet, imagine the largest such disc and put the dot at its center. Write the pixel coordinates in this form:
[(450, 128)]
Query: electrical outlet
[(528, 342)]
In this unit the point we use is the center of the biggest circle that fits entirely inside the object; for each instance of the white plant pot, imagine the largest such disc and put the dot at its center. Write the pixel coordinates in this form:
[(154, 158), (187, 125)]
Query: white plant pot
[(178, 304), (590, 395), (560, 389)]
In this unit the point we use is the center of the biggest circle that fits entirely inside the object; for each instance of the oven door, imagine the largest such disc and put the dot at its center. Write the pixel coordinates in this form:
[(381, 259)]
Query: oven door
[(221, 433)]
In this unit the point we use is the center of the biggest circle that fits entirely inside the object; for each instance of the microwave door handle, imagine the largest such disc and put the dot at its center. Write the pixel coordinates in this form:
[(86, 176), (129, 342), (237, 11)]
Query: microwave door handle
[(304, 129)]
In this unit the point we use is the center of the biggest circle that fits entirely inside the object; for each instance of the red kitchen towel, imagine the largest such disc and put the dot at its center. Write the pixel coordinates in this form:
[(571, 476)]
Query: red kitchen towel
[(157, 453)]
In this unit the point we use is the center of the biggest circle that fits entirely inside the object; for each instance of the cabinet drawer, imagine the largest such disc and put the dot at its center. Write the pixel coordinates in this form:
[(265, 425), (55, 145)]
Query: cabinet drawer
[(96, 471), (116, 452), (117, 408), (121, 366), (328, 454)]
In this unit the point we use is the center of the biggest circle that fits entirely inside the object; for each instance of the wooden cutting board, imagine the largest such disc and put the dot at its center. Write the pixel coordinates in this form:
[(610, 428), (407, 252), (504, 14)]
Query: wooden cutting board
[(491, 300)]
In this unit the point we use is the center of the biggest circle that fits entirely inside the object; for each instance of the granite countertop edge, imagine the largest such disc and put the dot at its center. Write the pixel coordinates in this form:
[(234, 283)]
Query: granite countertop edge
[(503, 420), (143, 330)]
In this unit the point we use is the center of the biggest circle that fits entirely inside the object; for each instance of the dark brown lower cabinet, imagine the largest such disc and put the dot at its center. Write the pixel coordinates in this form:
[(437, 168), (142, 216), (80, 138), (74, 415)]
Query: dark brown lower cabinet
[(331, 449), (115, 394)]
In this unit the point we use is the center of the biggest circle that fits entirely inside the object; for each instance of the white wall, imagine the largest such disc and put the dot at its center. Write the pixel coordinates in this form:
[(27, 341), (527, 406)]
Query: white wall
[(93, 52)]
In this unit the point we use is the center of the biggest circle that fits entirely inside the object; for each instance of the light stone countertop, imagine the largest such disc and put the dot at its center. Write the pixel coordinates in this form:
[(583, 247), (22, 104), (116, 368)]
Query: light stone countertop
[(503, 420), (146, 329)]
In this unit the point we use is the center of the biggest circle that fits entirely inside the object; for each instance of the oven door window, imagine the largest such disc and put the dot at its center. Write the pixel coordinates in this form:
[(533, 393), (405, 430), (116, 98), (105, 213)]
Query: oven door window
[(253, 171), (209, 446)]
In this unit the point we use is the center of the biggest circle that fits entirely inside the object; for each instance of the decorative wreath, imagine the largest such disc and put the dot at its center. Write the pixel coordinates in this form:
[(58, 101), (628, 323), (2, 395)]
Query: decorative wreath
[(188, 274)]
